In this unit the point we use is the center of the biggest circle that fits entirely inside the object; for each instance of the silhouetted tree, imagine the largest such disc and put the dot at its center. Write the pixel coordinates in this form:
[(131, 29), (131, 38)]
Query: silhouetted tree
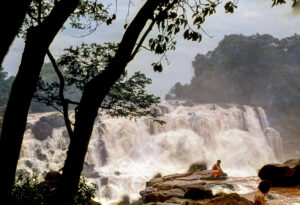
[(76, 67), (170, 17), (47, 18), (12, 14)]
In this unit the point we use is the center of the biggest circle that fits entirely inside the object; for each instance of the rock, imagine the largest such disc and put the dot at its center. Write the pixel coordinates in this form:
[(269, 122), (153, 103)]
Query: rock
[(104, 181), (175, 176), (228, 199), (282, 175), (147, 191), (88, 171), (154, 181), (41, 156), (214, 178), (198, 193), (94, 175), (55, 120), (28, 164), (53, 177), (41, 130), (161, 196), (188, 189), (52, 180), (188, 104)]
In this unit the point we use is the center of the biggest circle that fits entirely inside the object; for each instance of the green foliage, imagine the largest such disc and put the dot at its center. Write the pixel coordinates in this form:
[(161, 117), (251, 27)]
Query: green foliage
[(276, 2), (5, 85), (258, 70), (172, 18), (79, 65), (48, 74), (198, 166), (85, 192), (157, 175), (28, 190), (184, 17), (88, 15)]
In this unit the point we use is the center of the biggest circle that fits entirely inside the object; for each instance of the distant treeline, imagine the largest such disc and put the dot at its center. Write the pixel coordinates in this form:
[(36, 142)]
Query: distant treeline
[(257, 70), (47, 74), (5, 85)]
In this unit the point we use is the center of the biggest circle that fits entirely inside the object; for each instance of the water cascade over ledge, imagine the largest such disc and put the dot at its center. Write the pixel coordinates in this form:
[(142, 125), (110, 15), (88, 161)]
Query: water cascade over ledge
[(123, 153)]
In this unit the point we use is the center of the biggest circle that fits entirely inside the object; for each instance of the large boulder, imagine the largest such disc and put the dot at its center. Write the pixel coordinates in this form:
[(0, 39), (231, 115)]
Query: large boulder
[(55, 120), (282, 175), (41, 130), (198, 193), (44, 127)]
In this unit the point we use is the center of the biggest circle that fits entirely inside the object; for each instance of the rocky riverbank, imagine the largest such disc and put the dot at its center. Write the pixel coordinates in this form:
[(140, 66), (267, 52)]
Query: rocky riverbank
[(200, 188), (189, 188)]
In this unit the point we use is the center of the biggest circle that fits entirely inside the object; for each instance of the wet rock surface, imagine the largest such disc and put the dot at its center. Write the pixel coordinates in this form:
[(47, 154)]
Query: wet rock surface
[(44, 127), (188, 188), (282, 175)]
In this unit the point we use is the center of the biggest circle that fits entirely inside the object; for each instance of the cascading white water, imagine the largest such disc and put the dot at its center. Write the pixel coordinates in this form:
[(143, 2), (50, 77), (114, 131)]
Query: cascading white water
[(123, 154)]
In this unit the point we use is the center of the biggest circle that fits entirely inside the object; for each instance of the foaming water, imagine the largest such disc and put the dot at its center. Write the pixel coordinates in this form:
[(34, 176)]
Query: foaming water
[(124, 154)]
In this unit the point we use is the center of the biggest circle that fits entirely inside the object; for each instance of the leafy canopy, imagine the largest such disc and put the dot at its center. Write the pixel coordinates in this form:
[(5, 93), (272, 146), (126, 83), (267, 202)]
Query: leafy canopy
[(80, 64)]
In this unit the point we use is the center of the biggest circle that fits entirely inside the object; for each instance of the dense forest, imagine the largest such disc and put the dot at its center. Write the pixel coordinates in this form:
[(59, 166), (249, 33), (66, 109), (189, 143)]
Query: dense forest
[(6, 82), (257, 70), (5, 85)]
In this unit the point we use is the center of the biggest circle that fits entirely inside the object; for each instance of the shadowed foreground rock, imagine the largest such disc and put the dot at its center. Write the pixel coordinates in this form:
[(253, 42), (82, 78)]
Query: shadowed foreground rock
[(188, 188), (52, 180), (282, 175)]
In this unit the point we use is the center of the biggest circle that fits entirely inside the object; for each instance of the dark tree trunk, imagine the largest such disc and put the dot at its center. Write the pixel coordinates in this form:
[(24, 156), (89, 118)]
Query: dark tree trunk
[(12, 14), (92, 97), (38, 40)]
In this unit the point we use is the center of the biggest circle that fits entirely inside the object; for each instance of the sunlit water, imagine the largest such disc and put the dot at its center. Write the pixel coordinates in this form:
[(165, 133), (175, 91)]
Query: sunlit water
[(130, 152)]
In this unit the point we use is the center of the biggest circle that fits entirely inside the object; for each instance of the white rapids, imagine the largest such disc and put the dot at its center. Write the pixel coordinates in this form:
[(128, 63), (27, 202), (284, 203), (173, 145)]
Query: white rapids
[(124, 154)]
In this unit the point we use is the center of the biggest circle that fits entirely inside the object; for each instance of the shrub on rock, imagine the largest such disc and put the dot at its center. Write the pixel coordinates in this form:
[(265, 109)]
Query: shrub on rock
[(198, 166)]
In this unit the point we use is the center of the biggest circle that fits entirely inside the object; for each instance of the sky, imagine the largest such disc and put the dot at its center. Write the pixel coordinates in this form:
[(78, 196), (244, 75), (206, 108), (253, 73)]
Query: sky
[(251, 17)]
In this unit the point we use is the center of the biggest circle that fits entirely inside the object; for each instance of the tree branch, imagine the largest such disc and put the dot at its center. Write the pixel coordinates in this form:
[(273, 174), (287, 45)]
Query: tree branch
[(65, 103), (137, 48), (149, 29)]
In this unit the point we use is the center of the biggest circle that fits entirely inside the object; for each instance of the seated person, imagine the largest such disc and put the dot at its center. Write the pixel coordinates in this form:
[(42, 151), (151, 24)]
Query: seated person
[(263, 188), (216, 169)]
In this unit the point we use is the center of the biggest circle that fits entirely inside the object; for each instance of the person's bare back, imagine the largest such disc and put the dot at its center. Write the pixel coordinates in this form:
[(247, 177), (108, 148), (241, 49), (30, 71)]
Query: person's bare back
[(216, 169)]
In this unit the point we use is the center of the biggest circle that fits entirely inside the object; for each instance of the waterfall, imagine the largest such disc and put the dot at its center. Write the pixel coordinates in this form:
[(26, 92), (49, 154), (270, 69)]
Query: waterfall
[(124, 153)]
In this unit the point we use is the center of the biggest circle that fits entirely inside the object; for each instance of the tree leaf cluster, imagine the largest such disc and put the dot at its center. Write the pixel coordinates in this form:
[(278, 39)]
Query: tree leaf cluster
[(80, 64), (277, 2), (181, 17), (87, 16)]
